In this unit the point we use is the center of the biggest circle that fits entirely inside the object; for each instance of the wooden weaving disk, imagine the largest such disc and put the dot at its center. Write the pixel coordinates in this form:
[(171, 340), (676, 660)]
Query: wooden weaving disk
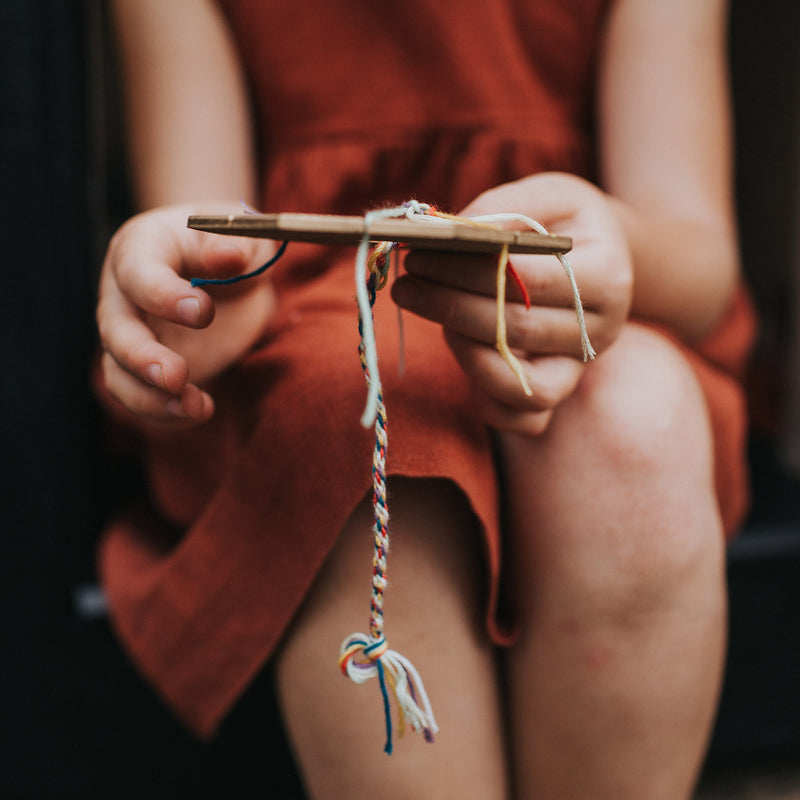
[(440, 234)]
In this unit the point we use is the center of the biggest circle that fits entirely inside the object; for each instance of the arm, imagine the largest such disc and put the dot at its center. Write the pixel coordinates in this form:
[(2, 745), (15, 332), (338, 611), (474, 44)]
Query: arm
[(190, 139), (188, 118), (658, 241), (665, 150)]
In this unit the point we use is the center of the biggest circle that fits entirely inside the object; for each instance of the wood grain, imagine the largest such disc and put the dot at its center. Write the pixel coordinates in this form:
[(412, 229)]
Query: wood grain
[(345, 230)]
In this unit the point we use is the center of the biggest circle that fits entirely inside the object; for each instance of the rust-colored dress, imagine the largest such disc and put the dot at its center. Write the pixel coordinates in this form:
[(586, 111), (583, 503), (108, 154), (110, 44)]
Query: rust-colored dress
[(359, 104)]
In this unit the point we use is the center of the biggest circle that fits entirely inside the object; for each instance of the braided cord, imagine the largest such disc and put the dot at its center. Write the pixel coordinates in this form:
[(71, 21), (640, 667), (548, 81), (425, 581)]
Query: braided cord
[(364, 657), (380, 528)]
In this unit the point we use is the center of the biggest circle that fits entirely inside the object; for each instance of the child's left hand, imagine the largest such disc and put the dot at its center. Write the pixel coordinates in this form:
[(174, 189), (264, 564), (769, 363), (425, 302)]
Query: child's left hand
[(458, 291)]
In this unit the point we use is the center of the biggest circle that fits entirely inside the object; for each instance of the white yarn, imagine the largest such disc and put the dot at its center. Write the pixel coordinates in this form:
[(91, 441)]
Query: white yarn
[(408, 688), (419, 711), (412, 210)]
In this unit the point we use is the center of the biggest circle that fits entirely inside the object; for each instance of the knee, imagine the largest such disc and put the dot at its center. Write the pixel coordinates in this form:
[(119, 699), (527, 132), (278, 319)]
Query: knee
[(641, 411), (628, 473)]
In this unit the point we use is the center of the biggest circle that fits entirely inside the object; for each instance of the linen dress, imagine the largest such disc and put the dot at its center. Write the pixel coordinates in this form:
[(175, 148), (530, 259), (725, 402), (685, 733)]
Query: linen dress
[(358, 104)]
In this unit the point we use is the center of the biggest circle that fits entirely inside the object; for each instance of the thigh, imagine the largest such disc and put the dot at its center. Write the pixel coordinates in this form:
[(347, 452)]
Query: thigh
[(433, 607)]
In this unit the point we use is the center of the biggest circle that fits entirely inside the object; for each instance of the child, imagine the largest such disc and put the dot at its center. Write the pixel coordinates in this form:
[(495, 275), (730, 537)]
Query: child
[(619, 476)]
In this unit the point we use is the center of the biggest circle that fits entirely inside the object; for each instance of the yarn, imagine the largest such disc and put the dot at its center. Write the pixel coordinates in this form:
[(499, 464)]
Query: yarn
[(236, 278), (501, 337), (395, 673)]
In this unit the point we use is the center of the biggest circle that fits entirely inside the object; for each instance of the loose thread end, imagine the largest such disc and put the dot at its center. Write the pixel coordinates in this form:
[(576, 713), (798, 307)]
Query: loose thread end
[(501, 338), (397, 676), (195, 282), (515, 366), (387, 713)]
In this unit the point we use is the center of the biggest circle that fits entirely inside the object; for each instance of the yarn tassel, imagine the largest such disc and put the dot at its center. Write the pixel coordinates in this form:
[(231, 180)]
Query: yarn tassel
[(363, 658)]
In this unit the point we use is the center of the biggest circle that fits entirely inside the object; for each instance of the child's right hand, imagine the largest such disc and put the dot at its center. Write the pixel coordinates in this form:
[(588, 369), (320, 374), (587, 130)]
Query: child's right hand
[(458, 292), (159, 344)]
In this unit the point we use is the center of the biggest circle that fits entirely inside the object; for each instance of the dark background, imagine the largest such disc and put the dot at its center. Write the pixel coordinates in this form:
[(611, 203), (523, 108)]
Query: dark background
[(76, 720)]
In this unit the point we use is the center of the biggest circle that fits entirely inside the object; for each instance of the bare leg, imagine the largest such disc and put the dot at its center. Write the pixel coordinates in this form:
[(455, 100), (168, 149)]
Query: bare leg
[(620, 554), (434, 617)]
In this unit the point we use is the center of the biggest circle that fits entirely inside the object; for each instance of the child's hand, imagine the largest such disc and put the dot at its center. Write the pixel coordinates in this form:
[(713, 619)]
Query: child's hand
[(154, 326), (458, 291)]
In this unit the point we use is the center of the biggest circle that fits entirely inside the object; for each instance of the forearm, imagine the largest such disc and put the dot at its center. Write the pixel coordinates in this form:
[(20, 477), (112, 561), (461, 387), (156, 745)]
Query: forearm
[(685, 269), (666, 154), (189, 131)]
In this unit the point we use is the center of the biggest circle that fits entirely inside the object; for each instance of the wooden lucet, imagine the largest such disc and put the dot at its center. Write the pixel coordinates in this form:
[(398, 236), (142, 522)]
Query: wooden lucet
[(344, 230)]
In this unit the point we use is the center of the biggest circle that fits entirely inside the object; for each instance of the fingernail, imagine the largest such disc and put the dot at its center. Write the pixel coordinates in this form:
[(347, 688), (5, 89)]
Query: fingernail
[(189, 310), (175, 407), (155, 374)]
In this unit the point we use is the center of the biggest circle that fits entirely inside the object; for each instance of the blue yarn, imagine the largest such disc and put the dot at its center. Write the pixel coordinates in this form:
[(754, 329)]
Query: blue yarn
[(387, 748), (237, 278)]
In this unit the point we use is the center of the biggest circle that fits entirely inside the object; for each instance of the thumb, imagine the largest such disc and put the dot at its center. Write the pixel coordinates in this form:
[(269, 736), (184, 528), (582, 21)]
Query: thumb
[(551, 198), (223, 257)]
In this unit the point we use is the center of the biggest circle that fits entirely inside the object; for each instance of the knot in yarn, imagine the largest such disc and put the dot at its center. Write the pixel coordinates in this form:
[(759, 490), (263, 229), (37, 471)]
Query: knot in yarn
[(371, 649), (396, 676)]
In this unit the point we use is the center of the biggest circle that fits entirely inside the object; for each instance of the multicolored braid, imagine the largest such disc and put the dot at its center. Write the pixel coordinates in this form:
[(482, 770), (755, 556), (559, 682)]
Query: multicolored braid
[(362, 657)]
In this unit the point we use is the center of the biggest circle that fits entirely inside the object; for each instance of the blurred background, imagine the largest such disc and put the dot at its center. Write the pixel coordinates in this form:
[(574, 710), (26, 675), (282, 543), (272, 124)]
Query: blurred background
[(77, 720)]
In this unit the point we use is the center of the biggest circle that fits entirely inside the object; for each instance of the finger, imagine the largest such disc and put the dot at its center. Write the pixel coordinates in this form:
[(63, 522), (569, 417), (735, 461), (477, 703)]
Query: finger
[(512, 420), (548, 330), (189, 408), (544, 276), (551, 379), (478, 274), (134, 347), (148, 272), (223, 256), (550, 198), (230, 269), (144, 271), (540, 329)]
